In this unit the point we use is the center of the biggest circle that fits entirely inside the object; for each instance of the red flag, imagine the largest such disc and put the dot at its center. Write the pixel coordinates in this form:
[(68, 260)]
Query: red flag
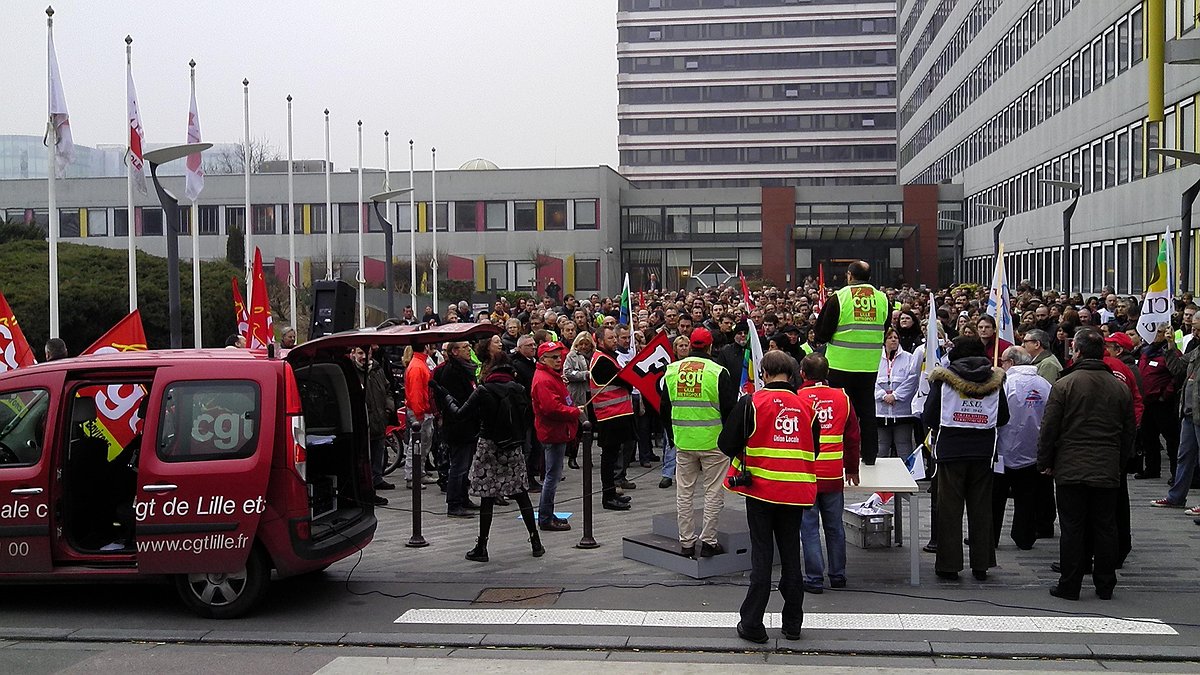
[(746, 293), (243, 316), (117, 421), (127, 336), (14, 348), (641, 300), (821, 286), (262, 330), (646, 368)]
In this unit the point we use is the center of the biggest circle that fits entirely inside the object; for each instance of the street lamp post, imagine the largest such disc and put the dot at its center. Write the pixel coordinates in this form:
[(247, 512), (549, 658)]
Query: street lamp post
[(170, 206), (1185, 213), (1076, 189), (389, 231)]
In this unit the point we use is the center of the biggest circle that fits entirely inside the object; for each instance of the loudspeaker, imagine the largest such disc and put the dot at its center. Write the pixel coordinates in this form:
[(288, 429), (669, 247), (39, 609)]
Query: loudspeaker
[(333, 308)]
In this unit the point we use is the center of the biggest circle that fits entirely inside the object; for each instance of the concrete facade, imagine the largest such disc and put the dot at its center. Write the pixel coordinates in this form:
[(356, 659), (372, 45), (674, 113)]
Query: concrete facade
[(756, 92), (1048, 90)]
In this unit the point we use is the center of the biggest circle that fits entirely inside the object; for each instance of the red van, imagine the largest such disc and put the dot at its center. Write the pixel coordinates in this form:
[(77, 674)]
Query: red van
[(210, 467)]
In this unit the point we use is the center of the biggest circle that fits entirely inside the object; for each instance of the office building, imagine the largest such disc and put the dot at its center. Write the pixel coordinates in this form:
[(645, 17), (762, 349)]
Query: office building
[(738, 93), (1028, 103)]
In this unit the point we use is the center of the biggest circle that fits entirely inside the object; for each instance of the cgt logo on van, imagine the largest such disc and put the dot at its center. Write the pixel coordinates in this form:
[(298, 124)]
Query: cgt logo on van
[(224, 430), (787, 423)]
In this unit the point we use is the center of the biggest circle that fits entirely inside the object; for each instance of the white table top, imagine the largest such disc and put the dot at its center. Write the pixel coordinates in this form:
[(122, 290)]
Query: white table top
[(887, 475)]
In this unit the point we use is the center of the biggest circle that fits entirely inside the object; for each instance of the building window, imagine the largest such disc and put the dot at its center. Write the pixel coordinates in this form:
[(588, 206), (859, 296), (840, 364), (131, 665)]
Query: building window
[(586, 214), (152, 221), (441, 213), (121, 222), (285, 219), (464, 217), (97, 222), (556, 214), (348, 215), (587, 276), (526, 276), (316, 218), (497, 216), (525, 216), (185, 220), (68, 223), (235, 218), (497, 276), (264, 218), (210, 219)]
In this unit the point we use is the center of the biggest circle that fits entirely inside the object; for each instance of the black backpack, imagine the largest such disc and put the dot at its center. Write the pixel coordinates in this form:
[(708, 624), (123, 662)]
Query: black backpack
[(511, 411)]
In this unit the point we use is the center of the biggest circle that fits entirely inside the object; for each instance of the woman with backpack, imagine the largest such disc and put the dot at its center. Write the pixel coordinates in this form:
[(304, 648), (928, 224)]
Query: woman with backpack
[(498, 468)]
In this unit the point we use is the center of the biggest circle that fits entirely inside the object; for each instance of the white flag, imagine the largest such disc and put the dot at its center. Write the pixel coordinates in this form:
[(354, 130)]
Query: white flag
[(137, 137), (999, 306), (195, 170), (931, 357), (753, 376), (60, 121), (1156, 303)]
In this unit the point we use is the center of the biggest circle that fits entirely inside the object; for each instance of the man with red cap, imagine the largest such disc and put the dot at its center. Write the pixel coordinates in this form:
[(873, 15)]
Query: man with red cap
[(697, 395), (555, 419)]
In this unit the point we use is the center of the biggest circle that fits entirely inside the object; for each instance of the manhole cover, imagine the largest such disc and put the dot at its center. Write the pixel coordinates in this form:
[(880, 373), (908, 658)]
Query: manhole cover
[(518, 597)]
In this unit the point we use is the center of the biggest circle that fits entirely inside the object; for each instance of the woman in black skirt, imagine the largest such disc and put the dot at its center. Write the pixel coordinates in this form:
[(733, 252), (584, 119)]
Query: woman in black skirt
[(498, 468)]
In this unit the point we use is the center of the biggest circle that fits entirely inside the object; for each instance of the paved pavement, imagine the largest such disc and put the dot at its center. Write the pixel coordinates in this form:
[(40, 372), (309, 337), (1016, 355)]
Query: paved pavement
[(355, 604)]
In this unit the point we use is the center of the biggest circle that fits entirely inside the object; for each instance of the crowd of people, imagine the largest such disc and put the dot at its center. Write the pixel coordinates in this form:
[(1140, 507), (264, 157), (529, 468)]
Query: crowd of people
[(1055, 420)]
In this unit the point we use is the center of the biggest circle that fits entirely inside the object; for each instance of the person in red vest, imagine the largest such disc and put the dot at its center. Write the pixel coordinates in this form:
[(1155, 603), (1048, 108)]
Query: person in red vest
[(836, 465), (612, 404), (772, 436)]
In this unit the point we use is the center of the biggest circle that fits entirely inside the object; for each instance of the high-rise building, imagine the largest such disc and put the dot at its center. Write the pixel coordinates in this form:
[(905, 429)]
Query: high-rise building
[(1028, 104), (740, 93)]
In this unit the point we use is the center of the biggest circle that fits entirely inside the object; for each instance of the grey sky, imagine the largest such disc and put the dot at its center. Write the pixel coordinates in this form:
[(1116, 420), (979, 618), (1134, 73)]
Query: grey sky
[(520, 82)]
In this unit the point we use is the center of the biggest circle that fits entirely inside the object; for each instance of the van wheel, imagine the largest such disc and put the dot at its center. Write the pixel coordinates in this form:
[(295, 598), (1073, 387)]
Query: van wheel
[(226, 596)]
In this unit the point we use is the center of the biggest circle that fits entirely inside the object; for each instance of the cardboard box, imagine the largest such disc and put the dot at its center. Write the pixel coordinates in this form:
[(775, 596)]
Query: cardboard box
[(868, 531)]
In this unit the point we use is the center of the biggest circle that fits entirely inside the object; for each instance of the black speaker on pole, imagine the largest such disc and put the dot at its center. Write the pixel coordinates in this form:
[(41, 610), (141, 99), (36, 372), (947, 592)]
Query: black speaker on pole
[(333, 308)]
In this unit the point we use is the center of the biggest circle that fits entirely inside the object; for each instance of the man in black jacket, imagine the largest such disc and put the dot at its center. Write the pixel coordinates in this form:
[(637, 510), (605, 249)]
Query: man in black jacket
[(965, 405), (1078, 447), (525, 364), (457, 377)]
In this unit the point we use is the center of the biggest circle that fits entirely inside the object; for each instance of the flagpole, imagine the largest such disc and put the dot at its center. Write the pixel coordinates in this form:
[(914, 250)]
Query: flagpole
[(412, 230), (249, 233), (197, 310), (51, 170), (291, 225), (328, 208), (362, 278), (129, 188), (433, 263), (387, 216)]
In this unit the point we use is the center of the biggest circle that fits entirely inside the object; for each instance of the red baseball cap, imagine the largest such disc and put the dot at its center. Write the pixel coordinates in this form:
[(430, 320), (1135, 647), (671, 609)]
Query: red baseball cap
[(547, 347), (1122, 340), (701, 338)]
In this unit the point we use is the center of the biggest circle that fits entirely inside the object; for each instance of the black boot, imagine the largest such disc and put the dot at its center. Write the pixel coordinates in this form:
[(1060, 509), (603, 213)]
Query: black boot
[(479, 553), (536, 543)]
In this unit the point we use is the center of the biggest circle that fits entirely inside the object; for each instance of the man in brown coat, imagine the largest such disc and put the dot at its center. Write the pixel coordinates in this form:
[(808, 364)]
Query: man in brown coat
[(1078, 448)]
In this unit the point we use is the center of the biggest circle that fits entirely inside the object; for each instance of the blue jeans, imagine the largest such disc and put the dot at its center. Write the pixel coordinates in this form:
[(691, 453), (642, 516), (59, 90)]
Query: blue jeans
[(668, 461), (825, 514), (1185, 466), (554, 454)]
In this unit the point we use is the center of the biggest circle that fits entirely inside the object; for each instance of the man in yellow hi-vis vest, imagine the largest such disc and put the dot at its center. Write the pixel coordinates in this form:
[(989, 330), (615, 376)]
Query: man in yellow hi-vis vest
[(851, 325), (696, 396)]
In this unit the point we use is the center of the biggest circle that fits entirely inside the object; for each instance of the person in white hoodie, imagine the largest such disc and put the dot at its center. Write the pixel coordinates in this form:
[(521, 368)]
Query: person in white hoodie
[(895, 385), (1017, 447)]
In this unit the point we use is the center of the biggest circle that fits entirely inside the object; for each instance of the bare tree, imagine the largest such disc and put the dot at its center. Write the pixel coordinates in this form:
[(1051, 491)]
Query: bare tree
[(229, 159)]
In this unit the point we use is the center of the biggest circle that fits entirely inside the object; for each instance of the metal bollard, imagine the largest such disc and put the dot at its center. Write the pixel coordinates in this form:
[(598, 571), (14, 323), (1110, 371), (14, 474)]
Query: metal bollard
[(418, 473), (587, 541)]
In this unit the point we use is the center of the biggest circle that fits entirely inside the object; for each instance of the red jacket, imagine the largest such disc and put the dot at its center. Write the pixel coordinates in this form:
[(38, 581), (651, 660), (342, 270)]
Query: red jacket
[(416, 386), (554, 418), (1124, 374)]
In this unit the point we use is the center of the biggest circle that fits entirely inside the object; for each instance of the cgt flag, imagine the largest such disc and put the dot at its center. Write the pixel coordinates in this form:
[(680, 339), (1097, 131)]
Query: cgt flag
[(60, 119), (262, 331), (1156, 303), (194, 181), (646, 368), (14, 348), (118, 421), (137, 136)]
